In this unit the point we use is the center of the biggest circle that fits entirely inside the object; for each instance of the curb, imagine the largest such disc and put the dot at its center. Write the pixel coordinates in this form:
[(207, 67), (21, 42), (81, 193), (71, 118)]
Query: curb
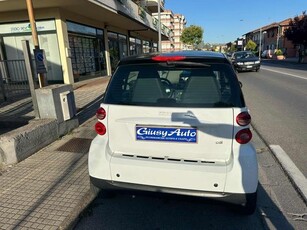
[(295, 175), (73, 218)]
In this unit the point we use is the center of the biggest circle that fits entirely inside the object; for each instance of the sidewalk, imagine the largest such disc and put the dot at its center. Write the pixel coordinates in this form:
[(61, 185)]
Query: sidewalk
[(49, 189)]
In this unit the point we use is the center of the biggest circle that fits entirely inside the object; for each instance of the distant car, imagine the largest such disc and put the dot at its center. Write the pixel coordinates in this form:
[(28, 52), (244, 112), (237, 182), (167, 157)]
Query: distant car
[(228, 55), (245, 61), (267, 54), (176, 123)]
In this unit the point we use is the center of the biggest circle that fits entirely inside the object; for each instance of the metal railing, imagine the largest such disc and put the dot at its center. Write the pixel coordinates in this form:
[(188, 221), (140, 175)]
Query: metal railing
[(13, 80)]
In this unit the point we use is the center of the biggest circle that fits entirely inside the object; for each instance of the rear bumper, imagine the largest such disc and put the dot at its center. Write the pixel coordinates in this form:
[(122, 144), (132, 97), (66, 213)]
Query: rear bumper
[(232, 198), (238, 176)]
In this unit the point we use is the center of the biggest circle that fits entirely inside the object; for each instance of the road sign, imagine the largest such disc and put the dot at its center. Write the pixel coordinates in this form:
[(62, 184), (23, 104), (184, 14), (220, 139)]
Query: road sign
[(40, 61)]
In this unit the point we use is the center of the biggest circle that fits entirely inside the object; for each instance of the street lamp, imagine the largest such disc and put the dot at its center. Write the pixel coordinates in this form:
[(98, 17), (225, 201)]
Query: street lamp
[(260, 38)]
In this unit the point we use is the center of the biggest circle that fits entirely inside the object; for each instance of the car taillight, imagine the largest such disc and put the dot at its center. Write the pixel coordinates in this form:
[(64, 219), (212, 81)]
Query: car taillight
[(168, 58), (101, 114), (243, 119), (244, 136), (100, 128)]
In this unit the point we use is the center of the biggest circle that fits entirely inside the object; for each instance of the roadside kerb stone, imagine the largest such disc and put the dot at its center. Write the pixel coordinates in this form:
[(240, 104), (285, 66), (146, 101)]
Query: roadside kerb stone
[(292, 171), (21, 143), (15, 147)]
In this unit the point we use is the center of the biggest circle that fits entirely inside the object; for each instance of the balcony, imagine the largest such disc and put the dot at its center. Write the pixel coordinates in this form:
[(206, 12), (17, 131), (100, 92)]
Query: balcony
[(164, 29), (152, 5), (136, 11)]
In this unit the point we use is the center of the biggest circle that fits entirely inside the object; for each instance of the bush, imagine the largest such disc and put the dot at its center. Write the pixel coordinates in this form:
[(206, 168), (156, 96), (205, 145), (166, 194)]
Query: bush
[(278, 52)]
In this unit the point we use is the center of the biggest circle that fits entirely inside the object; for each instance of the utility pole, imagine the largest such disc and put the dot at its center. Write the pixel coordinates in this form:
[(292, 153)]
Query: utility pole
[(277, 42), (260, 38), (41, 78), (159, 26)]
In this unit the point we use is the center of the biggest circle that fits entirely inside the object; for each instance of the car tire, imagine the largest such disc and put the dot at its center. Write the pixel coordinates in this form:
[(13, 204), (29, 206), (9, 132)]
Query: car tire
[(250, 205), (94, 189), (257, 70), (104, 193)]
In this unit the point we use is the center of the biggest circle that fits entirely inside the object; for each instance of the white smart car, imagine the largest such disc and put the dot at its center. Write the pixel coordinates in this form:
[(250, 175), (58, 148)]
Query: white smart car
[(176, 123)]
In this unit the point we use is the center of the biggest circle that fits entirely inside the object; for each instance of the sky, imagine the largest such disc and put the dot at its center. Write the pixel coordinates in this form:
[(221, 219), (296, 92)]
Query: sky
[(226, 20)]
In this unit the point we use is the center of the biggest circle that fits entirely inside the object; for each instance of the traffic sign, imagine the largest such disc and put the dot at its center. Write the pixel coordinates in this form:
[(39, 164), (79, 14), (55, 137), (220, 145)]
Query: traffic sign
[(40, 61)]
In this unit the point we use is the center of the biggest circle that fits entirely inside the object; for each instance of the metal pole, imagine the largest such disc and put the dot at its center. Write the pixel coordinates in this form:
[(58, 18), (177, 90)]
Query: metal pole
[(41, 78), (159, 26), (277, 42), (2, 84), (260, 38), (29, 68)]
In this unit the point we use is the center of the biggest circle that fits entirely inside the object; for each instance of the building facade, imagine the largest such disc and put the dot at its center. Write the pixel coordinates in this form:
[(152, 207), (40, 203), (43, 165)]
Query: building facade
[(176, 23), (82, 39), (272, 38)]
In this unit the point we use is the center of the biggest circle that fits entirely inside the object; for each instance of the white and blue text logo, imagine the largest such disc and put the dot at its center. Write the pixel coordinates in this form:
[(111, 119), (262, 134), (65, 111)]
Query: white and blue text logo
[(166, 134)]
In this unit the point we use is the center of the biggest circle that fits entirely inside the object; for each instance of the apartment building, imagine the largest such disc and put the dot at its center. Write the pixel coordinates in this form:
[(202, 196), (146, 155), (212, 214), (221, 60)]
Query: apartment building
[(176, 23), (81, 39), (272, 38)]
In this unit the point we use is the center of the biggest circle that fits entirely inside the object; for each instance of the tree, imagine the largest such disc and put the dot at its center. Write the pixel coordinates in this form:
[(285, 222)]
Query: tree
[(251, 45), (297, 32), (233, 48), (192, 35)]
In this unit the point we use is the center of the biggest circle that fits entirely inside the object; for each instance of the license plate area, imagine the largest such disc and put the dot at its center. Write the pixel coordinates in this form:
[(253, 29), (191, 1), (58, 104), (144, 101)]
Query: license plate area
[(166, 134)]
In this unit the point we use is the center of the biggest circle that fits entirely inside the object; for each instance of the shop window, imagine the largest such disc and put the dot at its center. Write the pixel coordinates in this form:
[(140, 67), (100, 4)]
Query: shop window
[(118, 48), (87, 50), (146, 47), (132, 46)]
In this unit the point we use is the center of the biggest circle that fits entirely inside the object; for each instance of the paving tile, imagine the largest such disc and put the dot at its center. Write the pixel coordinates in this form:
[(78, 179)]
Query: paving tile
[(41, 191)]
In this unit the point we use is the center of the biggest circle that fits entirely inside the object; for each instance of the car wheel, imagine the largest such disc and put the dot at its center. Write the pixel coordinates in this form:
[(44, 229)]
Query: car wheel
[(251, 204), (94, 189), (104, 193), (257, 70)]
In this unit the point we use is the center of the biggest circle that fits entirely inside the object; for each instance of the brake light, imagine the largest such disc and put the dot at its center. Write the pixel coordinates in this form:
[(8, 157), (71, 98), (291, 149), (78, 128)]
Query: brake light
[(101, 113), (244, 136), (168, 58), (243, 119), (100, 128)]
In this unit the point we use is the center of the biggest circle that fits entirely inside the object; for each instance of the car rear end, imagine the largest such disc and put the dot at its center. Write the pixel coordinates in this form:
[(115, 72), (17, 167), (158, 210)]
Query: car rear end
[(175, 124)]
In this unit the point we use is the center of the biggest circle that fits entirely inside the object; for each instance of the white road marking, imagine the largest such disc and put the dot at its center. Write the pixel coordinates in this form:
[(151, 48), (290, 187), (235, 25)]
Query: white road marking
[(292, 171), (292, 75)]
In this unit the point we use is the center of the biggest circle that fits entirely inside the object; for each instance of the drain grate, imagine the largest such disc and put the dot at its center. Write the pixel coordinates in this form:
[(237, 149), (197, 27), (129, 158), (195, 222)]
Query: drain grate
[(76, 145)]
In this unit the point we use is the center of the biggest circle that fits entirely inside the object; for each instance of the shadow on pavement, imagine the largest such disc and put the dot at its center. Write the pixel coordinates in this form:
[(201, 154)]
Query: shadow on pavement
[(159, 211), (284, 64), (89, 110)]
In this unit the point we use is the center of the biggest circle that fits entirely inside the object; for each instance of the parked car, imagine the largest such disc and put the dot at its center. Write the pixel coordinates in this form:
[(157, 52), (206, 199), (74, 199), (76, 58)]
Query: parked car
[(245, 61), (267, 54), (176, 123)]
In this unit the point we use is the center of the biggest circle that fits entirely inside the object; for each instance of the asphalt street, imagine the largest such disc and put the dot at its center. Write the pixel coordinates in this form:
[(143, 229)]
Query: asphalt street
[(277, 99)]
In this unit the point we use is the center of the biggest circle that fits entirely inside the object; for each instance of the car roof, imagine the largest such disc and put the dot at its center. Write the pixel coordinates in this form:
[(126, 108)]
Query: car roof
[(245, 51), (189, 55)]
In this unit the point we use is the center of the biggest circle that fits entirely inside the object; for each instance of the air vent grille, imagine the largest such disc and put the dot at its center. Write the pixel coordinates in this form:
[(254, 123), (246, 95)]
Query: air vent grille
[(167, 159)]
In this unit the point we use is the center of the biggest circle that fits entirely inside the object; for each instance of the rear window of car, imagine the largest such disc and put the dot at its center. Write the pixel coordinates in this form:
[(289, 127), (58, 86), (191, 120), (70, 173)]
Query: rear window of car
[(244, 55), (158, 84)]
